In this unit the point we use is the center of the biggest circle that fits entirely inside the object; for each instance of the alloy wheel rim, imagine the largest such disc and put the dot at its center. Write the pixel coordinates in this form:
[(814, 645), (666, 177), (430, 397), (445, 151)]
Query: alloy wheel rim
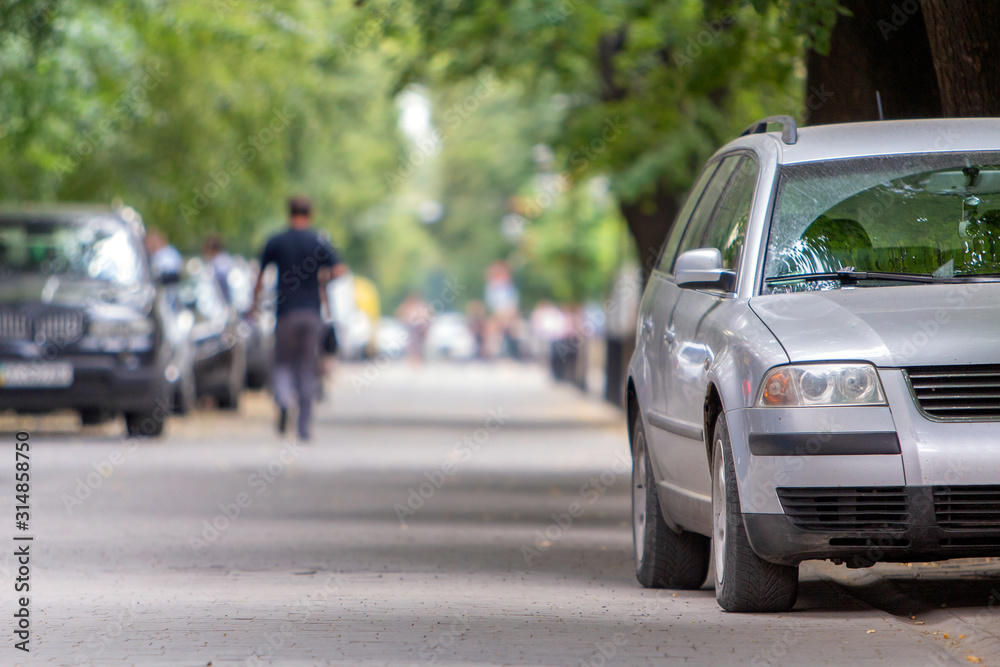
[(639, 497), (720, 515)]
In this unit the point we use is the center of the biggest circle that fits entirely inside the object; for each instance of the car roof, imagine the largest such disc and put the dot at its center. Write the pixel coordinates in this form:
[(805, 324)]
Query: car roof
[(62, 212), (889, 137)]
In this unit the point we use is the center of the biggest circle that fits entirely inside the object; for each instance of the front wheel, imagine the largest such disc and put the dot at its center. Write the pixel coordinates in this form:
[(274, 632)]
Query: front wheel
[(744, 582), (663, 558)]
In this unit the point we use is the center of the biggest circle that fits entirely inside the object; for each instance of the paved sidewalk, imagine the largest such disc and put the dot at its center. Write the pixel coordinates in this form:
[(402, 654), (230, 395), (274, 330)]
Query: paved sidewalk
[(429, 524)]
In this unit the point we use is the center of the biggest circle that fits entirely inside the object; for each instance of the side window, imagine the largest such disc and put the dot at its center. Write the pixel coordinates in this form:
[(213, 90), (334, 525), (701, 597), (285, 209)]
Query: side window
[(677, 231), (703, 213), (727, 229)]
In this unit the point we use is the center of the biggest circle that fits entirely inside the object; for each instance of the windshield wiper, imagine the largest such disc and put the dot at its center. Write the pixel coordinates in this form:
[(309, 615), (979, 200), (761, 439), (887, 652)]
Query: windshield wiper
[(849, 276)]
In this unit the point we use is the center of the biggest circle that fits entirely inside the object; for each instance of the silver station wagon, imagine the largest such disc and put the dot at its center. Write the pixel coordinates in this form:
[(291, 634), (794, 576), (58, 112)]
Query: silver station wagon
[(817, 370)]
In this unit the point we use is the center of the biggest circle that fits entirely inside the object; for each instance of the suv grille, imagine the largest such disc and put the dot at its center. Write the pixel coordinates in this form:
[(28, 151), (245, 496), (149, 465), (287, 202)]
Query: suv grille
[(957, 392), (846, 509), (967, 507), (14, 326), (60, 328)]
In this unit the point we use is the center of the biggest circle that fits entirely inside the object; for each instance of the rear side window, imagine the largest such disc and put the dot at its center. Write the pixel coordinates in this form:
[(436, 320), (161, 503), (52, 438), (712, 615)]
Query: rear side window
[(729, 226), (677, 231), (703, 213)]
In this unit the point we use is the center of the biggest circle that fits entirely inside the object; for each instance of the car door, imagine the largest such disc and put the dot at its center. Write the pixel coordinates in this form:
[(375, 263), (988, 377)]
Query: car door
[(665, 430), (690, 355), (656, 297)]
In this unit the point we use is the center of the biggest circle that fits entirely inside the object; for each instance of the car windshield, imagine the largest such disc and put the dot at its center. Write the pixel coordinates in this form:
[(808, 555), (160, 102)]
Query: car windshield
[(933, 215), (96, 249)]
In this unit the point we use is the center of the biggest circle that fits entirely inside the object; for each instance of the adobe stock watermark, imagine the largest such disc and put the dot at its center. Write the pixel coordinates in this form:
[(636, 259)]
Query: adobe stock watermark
[(87, 484), (230, 512), (429, 146), (108, 633), (373, 368), (711, 30), (624, 290), (371, 29), (590, 492), (463, 450), (605, 652), (900, 15), (442, 641), (307, 606), (42, 14), (87, 142), (579, 161), (248, 150)]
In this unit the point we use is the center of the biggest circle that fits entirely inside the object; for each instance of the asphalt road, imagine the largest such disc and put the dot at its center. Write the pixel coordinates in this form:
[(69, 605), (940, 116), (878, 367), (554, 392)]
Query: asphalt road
[(444, 514)]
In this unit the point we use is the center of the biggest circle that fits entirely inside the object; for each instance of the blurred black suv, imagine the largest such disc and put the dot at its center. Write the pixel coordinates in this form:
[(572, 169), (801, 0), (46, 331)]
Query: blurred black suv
[(80, 318)]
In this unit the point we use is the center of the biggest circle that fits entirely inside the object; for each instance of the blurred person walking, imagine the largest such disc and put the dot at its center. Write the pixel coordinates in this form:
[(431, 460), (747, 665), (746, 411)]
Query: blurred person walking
[(416, 316), (165, 262), (221, 262), (305, 264)]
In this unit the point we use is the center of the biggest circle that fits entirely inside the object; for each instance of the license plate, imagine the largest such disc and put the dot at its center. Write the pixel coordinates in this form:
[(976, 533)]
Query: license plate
[(46, 374)]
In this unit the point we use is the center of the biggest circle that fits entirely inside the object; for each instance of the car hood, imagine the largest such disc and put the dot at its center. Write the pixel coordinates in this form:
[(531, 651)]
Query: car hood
[(71, 291), (888, 326)]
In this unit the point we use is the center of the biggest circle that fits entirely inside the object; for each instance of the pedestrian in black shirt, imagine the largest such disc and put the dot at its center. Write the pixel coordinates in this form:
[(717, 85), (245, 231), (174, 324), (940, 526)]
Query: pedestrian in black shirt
[(305, 264)]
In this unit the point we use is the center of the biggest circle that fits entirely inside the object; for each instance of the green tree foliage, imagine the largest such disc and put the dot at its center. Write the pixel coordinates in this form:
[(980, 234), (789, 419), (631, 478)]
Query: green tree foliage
[(202, 115), (678, 78)]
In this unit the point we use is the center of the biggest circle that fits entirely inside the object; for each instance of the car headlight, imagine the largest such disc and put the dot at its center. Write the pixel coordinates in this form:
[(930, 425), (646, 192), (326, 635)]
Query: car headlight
[(120, 328), (820, 384)]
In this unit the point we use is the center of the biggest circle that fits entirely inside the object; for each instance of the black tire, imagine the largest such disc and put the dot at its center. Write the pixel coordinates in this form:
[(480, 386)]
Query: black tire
[(229, 397), (744, 582), (256, 378), (95, 416), (184, 396), (144, 424), (663, 557)]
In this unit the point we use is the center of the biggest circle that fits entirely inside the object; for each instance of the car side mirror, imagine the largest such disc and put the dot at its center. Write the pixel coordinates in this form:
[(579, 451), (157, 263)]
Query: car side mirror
[(702, 269)]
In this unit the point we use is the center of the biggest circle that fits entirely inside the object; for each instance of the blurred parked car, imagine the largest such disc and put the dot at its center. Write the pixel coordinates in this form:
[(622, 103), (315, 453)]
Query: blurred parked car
[(177, 323), (391, 338), (450, 337), (219, 337), (354, 305), (80, 322), (260, 338)]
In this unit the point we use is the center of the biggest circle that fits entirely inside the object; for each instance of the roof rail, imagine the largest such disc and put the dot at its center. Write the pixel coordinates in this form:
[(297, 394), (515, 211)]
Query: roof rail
[(789, 132)]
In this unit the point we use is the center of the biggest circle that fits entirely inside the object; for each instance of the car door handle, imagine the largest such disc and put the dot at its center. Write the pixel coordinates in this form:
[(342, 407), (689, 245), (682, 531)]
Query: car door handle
[(669, 336)]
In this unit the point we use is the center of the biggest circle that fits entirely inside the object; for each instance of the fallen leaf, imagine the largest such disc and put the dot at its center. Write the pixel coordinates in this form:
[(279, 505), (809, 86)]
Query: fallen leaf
[(871, 632), (973, 659), (947, 636)]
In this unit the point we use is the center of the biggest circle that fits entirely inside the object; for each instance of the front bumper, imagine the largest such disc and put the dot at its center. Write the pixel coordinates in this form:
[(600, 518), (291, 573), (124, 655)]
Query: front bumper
[(99, 382), (862, 526), (867, 484)]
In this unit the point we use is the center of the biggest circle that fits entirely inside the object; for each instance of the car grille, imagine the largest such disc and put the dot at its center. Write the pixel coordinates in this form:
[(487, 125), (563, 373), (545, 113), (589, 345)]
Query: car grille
[(14, 326), (967, 507), (61, 328), (957, 392), (846, 509)]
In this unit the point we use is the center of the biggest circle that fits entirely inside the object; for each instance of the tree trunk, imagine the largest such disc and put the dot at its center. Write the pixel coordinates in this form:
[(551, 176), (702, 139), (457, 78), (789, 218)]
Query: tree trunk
[(883, 47), (649, 220), (964, 37)]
